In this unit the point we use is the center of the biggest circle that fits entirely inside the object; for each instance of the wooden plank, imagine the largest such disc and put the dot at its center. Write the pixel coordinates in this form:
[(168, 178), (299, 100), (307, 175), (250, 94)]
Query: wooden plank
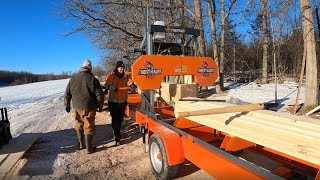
[(289, 134), (313, 110), (12, 152), (239, 108), (125, 88)]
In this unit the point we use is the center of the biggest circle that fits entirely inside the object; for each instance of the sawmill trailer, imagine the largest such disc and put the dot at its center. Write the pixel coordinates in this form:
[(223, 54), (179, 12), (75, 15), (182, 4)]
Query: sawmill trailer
[(173, 141)]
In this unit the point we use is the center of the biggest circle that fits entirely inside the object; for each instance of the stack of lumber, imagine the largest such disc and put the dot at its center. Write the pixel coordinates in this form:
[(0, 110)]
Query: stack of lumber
[(293, 135)]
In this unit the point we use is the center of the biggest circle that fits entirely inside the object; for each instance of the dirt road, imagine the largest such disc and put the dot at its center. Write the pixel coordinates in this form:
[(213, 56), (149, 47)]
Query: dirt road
[(55, 156)]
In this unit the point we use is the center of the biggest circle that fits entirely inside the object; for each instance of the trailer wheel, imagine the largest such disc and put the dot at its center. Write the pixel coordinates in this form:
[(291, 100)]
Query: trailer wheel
[(159, 160)]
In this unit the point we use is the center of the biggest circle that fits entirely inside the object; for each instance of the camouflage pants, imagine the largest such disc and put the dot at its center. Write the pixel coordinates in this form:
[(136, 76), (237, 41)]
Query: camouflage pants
[(84, 121)]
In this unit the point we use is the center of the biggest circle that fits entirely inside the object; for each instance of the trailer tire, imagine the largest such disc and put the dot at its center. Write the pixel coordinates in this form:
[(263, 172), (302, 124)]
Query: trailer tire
[(159, 164)]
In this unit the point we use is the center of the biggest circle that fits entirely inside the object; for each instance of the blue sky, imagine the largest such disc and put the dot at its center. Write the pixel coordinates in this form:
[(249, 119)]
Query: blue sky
[(31, 39)]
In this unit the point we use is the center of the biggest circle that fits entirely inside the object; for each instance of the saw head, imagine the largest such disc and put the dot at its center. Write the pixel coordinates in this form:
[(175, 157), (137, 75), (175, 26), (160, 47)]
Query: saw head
[(149, 71)]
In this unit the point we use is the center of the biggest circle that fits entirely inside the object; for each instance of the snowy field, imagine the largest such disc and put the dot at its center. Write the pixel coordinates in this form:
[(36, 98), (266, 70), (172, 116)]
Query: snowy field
[(34, 107)]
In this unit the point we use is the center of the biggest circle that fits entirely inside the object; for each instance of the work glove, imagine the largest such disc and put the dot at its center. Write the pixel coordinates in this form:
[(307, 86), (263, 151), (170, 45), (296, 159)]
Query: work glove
[(68, 108), (109, 88), (104, 90), (99, 109)]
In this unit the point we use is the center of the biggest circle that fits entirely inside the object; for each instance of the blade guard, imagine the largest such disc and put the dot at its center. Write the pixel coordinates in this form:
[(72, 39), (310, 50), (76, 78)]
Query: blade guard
[(149, 70)]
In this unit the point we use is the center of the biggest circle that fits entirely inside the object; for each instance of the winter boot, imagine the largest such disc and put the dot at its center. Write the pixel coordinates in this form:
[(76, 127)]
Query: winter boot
[(117, 143), (81, 140), (89, 144)]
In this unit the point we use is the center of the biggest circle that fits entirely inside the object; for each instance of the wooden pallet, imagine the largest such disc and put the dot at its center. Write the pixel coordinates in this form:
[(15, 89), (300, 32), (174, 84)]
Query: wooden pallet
[(12, 152)]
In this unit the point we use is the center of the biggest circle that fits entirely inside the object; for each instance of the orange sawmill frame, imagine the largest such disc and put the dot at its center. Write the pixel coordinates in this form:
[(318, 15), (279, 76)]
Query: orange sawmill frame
[(209, 149)]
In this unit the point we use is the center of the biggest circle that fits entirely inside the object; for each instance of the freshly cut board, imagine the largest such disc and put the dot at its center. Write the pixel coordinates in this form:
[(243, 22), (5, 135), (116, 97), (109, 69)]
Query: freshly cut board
[(12, 152), (293, 135)]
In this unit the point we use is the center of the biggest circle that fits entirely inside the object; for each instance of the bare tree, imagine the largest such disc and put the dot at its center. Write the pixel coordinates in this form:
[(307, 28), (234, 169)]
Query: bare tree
[(316, 9), (212, 18), (199, 20), (224, 18), (265, 41), (106, 22), (222, 44), (311, 98), (181, 13)]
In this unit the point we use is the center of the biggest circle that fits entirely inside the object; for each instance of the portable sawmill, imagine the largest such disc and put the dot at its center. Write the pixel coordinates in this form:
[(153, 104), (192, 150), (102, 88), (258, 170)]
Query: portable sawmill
[(174, 136)]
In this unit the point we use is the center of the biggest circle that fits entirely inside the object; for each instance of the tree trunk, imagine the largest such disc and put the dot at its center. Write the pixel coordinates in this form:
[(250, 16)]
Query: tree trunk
[(311, 93), (212, 17), (198, 14), (181, 13), (265, 41), (171, 20), (222, 44), (153, 12), (317, 17), (182, 17)]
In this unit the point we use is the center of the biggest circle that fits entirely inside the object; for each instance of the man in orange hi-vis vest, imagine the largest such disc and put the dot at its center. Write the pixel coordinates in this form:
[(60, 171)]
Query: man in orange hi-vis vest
[(117, 99)]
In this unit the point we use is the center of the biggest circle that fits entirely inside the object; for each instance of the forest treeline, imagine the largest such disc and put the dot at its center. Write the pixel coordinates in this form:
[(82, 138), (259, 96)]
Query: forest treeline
[(251, 38), (17, 78), (265, 39)]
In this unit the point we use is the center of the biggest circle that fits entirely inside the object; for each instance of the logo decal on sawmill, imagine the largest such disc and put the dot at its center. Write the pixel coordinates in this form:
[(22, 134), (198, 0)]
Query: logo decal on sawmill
[(204, 69), (180, 69), (149, 71)]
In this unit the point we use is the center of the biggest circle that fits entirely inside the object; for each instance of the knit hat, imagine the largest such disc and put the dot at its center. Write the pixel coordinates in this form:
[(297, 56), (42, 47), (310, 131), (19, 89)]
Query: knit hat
[(120, 64), (87, 64)]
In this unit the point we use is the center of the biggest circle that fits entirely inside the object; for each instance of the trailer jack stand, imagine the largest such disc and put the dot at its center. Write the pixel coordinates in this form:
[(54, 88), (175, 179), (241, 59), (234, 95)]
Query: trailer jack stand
[(143, 134)]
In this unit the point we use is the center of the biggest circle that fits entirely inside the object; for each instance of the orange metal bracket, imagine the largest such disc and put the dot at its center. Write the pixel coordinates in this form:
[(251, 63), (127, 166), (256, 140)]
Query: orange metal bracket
[(172, 142), (203, 132), (165, 112), (232, 143), (134, 98), (183, 123), (140, 118)]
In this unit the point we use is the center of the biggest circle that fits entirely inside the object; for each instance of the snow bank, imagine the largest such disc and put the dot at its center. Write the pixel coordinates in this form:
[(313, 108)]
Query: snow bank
[(263, 93), (33, 107)]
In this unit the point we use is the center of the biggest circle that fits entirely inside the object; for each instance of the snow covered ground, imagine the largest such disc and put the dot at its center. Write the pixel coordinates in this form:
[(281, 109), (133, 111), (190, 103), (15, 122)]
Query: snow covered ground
[(34, 107), (264, 93)]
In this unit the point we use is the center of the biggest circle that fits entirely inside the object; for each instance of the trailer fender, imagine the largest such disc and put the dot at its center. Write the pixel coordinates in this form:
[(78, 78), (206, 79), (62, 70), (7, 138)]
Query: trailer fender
[(172, 142)]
